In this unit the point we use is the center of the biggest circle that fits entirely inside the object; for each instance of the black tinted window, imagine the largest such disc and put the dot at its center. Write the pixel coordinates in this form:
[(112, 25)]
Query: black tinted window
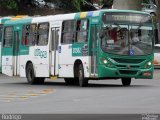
[(8, 37)]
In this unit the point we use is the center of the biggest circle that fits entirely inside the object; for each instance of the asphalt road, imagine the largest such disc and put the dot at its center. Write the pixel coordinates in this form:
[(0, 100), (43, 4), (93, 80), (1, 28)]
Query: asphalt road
[(101, 97)]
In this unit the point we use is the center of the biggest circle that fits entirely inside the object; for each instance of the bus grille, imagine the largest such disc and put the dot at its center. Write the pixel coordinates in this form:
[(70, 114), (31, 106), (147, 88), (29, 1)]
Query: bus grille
[(119, 60), (125, 66), (127, 72)]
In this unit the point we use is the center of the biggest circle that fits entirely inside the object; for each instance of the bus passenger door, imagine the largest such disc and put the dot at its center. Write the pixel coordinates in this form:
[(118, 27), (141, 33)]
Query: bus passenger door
[(54, 50), (10, 51), (94, 50), (16, 61)]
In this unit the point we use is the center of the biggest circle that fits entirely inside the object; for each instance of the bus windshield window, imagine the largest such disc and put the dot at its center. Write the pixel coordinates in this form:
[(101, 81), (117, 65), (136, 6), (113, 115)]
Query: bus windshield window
[(141, 38), (127, 39)]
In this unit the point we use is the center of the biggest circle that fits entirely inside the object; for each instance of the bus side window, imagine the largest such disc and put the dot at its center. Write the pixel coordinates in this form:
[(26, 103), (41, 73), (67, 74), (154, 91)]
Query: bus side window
[(43, 32), (69, 31), (8, 37), (32, 35), (25, 34), (29, 35), (82, 31)]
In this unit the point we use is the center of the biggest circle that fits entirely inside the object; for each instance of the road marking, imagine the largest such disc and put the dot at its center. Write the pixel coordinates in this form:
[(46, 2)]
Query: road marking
[(32, 95), (14, 96), (5, 100)]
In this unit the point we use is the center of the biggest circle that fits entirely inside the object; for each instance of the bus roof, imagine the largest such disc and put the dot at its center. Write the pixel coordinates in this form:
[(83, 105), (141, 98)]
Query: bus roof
[(98, 12), (4, 19), (15, 21), (82, 15), (60, 17)]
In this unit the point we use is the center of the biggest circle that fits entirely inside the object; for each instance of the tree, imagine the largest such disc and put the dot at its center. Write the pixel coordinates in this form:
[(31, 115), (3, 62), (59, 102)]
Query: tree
[(9, 4), (107, 4), (20, 4)]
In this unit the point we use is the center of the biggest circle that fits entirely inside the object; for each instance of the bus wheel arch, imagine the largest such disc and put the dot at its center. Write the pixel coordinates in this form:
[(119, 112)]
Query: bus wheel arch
[(75, 69), (153, 14), (79, 73)]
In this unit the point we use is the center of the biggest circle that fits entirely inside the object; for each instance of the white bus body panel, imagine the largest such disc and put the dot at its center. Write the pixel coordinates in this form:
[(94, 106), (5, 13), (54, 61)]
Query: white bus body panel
[(66, 62), (23, 59), (7, 65)]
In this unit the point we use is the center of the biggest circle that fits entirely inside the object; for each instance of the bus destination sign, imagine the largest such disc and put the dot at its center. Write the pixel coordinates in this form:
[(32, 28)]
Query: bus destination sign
[(129, 18)]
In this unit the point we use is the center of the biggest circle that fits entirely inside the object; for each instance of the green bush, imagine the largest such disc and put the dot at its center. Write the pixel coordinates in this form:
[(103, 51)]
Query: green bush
[(9, 4)]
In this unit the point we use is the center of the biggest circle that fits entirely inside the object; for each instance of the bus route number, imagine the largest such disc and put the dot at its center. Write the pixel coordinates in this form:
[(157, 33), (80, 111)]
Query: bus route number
[(76, 50)]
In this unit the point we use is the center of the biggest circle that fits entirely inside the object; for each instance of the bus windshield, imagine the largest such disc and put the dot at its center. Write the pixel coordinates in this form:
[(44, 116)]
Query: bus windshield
[(130, 37)]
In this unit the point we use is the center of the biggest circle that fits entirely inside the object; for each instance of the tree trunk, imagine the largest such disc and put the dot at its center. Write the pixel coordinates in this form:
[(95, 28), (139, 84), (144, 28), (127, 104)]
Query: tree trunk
[(127, 4)]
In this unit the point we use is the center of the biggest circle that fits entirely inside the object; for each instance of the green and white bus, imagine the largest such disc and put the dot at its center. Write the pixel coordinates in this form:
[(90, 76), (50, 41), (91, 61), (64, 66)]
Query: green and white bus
[(96, 45)]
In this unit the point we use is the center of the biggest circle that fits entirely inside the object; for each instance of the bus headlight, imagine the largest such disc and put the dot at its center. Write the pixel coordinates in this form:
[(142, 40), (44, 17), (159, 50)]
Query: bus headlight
[(105, 61), (149, 63)]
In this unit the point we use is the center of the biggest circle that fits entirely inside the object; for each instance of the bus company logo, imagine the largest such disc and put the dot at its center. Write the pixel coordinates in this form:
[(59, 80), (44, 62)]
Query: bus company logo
[(41, 54)]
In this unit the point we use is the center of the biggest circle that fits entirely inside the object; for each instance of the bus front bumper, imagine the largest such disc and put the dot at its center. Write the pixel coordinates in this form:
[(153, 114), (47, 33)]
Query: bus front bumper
[(106, 72)]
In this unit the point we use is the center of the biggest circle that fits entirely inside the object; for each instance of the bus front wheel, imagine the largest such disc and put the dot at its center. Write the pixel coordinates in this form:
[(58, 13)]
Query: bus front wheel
[(126, 81), (31, 76), (83, 82)]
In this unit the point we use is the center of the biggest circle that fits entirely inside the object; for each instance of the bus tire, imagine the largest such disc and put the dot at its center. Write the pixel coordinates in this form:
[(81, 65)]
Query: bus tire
[(126, 81), (83, 82), (31, 75)]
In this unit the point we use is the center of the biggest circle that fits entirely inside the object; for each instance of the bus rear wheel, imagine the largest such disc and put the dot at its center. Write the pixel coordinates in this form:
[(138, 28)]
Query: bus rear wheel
[(83, 82), (126, 81), (31, 76)]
